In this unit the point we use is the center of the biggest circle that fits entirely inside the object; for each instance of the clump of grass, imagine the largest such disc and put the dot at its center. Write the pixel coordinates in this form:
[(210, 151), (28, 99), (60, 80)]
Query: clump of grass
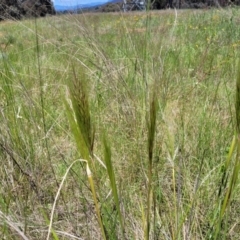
[(163, 155)]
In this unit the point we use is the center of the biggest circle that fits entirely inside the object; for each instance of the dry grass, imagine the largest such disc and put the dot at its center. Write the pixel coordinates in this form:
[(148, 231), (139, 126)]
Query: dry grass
[(157, 162)]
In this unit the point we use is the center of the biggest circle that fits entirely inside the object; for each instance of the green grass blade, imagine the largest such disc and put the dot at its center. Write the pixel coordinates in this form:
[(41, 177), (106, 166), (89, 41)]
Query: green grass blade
[(236, 167), (111, 175), (80, 104), (237, 102), (90, 179), (79, 139), (151, 136)]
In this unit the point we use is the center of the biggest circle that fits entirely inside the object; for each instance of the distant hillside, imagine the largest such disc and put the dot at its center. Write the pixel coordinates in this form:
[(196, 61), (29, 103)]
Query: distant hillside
[(90, 5), (178, 4), (110, 7), (116, 5)]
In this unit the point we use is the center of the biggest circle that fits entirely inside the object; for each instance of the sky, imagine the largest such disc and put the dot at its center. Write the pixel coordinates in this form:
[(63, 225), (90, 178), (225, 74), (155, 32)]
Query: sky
[(75, 2)]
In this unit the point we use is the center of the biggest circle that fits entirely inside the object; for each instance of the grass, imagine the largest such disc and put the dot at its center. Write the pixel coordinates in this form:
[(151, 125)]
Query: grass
[(120, 126)]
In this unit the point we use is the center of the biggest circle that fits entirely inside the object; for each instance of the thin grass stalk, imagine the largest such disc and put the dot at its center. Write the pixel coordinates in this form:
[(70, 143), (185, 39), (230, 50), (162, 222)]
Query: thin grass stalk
[(42, 98), (190, 214), (234, 177), (154, 217), (90, 180), (151, 137), (226, 166), (49, 222), (175, 202), (111, 175), (145, 48), (228, 196)]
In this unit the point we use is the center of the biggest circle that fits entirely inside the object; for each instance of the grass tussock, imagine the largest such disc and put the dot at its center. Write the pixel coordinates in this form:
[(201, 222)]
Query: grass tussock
[(120, 126)]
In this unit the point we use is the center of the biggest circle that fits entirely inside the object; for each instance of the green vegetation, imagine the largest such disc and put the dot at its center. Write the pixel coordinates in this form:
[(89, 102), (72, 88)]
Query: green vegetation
[(121, 126)]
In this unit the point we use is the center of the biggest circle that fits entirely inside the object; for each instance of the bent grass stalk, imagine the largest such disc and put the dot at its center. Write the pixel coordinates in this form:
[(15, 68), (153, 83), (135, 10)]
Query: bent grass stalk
[(50, 230), (89, 174)]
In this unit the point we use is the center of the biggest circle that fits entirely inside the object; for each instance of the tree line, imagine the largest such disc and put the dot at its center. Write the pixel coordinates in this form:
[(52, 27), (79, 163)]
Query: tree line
[(16, 9)]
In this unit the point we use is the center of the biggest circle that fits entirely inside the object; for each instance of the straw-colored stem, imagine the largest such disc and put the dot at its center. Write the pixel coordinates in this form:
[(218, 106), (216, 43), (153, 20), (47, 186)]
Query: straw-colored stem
[(90, 179)]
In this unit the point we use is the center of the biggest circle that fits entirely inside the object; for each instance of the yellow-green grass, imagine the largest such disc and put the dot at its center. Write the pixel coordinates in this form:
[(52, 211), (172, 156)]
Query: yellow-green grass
[(146, 99)]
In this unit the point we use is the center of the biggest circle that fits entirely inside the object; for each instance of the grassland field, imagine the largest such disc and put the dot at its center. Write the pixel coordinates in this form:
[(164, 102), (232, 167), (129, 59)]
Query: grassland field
[(121, 126)]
